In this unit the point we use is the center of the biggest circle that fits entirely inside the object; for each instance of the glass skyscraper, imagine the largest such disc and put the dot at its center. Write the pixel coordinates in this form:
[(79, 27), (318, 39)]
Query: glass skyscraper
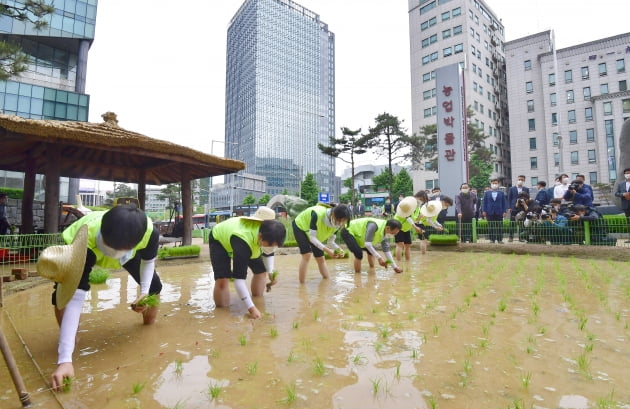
[(280, 94), (53, 85)]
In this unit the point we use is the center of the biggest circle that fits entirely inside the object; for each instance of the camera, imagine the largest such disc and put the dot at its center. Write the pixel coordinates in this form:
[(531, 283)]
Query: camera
[(531, 216), (545, 216), (574, 186)]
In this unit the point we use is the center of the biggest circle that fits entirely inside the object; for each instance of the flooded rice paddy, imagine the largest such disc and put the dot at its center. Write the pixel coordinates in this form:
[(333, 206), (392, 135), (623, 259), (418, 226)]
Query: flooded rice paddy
[(455, 330)]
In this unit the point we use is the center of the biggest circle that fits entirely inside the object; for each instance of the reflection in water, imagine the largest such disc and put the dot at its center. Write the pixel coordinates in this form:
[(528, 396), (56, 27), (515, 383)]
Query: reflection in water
[(455, 330)]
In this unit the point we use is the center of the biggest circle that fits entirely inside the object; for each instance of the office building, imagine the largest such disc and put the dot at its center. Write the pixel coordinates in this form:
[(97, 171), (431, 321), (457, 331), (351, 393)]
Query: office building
[(466, 32), (280, 94), (567, 107), (53, 86)]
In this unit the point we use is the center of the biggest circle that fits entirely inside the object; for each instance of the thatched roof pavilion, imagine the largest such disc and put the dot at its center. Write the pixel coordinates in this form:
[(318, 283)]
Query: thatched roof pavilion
[(102, 151)]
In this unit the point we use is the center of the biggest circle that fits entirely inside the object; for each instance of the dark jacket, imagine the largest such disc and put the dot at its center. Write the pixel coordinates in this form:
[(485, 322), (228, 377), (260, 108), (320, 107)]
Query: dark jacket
[(494, 207)]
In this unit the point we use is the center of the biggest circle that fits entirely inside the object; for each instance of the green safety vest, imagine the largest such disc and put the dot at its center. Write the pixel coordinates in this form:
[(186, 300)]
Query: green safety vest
[(93, 221), (405, 224), (358, 228), (303, 221), (245, 229)]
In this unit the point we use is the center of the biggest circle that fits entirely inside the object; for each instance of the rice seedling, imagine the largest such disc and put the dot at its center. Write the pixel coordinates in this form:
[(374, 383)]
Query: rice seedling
[(291, 394), (525, 380), (376, 386), (607, 402), (214, 390), (436, 329), (315, 315), (384, 331), (378, 346), (414, 353), (474, 294), (432, 402), (535, 309), (67, 384), (292, 357), (502, 305), (98, 275), (296, 324), (242, 339), (583, 364), (582, 322), (252, 368), (484, 330), (542, 330), (151, 300), (588, 348), (273, 331), (483, 343), (590, 337), (359, 359), (318, 367), (411, 316), (179, 405), (179, 367), (397, 371), (137, 387), (517, 404)]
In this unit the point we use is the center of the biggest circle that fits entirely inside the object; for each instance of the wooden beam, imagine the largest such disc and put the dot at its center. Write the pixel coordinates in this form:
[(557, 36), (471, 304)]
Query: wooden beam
[(51, 211)]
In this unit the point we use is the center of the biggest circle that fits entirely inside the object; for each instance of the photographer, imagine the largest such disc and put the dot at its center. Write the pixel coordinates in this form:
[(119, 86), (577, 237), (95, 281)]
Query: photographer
[(520, 210), (555, 228), (578, 195), (597, 225)]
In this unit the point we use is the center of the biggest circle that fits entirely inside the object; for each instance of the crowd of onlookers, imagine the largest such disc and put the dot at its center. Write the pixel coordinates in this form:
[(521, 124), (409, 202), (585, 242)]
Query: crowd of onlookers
[(554, 214)]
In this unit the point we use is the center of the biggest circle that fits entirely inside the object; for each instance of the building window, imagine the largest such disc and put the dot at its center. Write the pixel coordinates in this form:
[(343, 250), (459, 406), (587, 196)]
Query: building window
[(426, 94), (552, 79), (447, 51), (625, 103), (534, 180), (574, 158), (434, 56), (573, 137), (533, 162), (568, 76), (603, 88), (608, 108), (528, 65), (427, 112), (457, 12), (590, 135), (554, 119), (585, 75), (428, 7), (570, 96), (602, 69), (426, 77), (425, 42), (592, 178), (530, 105), (529, 87), (457, 30), (426, 59), (446, 34), (623, 86), (588, 114), (621, 65), (556, 159), (587, 93), (571, 116), (554, 139), (532, 144), (424, 25), (458, 48), (446, 15), (532, 124), (553, 99), (591, 156)]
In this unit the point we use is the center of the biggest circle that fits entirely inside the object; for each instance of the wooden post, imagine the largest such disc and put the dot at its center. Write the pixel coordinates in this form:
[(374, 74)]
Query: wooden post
[(51, 210), (13, 370)]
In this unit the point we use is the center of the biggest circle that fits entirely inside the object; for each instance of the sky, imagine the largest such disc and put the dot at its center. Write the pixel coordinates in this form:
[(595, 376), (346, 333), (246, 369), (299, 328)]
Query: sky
[(160, 66)]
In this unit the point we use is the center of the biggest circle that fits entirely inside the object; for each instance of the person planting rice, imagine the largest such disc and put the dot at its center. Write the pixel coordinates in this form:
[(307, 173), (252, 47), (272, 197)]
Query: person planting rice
[(238, 243), (122, 236), (407, 211), (360, 235), (321, 222)]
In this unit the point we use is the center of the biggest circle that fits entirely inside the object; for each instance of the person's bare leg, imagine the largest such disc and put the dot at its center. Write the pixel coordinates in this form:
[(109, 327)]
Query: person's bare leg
[(357, 265), (323, 267), (150, 313), (407, 252), (399, 250), (303, 266), (259, 282), (222, 292), (371, 260)]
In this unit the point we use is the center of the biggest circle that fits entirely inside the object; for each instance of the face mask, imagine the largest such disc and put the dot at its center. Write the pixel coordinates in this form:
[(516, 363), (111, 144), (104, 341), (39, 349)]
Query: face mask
[(565, 180), (268, 250), (108, 251), (494, 186), (627, 176), (519, 183), (464, 190)]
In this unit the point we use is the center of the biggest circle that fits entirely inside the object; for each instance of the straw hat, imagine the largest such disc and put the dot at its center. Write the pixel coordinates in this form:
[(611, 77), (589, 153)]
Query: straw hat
[(432, 208), (64, 265), (406, 207), (262, 213)]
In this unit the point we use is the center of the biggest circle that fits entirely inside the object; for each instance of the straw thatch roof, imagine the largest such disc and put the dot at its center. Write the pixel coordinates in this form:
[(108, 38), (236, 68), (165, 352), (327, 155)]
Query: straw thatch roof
[(103, 151)]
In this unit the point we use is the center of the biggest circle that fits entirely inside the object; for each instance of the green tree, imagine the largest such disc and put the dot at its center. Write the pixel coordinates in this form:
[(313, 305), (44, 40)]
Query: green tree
[(264, 199), (389, 139), (249, 200), (12, 60), (383, 178), (172, 193), (403, 184), (310, 191), (120, 190), (482, 170), (349, 144)]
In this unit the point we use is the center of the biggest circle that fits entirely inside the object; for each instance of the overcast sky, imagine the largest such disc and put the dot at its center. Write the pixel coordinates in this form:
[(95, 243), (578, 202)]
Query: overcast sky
[(160, 65)]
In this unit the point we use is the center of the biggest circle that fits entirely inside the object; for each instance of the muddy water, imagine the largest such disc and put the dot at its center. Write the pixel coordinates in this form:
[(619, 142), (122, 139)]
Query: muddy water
[(453, 331)]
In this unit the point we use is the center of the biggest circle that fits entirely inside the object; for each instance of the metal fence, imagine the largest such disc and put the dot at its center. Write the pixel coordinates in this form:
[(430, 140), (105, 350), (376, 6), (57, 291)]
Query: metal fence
[(22, 250)]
